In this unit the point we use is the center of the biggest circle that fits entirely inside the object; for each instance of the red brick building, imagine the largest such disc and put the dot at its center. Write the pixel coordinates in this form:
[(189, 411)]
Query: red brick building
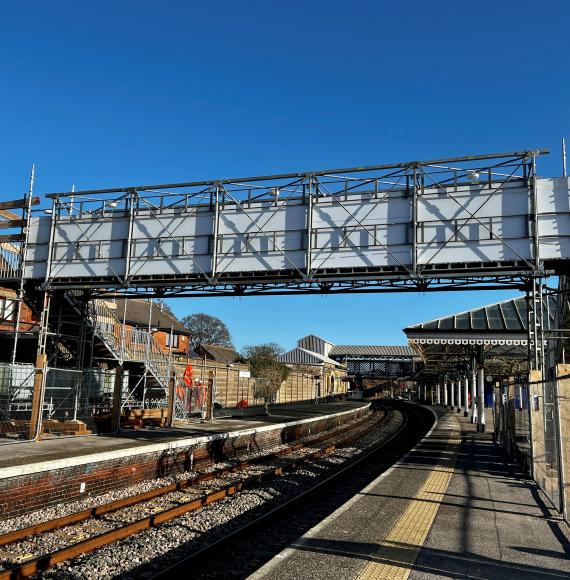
[(147, 315)]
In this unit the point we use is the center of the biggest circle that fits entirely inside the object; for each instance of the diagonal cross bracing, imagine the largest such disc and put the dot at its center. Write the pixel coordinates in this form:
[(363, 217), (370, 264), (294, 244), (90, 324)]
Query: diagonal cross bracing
[(331, 230)]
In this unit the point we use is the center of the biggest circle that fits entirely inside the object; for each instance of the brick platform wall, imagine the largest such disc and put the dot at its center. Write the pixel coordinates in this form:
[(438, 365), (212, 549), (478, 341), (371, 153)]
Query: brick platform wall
[(26, 493)]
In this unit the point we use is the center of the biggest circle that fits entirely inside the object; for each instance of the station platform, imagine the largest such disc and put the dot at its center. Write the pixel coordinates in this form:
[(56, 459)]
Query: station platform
[(33, 474), (451, 508)]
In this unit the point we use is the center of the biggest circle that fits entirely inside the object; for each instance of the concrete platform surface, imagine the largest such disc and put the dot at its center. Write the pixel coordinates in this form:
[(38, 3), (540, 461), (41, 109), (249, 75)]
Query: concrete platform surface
[(452, 508), (146, 440)]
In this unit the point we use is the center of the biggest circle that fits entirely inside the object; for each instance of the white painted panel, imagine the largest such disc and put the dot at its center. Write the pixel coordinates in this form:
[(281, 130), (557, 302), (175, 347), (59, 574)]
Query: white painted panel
[(553, 195), (348, 232)]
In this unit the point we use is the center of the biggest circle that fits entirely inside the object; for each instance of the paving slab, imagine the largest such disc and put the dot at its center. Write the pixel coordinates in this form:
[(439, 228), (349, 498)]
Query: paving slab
[(452, 508)]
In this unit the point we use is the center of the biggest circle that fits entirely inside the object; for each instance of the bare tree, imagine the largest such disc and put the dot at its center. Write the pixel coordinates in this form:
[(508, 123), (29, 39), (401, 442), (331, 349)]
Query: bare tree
[(163, 305), (207, 329)]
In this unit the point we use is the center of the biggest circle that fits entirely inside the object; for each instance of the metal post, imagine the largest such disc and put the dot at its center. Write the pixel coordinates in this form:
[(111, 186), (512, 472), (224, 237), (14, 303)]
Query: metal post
[(171, 389), (309, 258), (473, 391), (466, 396), (415, 224), (452, 401), (438, 400), (216, 229), (445, 392), (534, 326), (23, 252), (458, 385), (117, 398), (129, 250), (564, 174), (481, 401), (536, 244), (210, 398)]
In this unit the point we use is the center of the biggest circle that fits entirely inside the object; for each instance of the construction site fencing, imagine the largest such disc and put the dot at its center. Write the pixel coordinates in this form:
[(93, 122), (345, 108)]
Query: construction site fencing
[(512, 420), (16, 392), (75, 400), (526, 424), (550, 480), (81, 401)]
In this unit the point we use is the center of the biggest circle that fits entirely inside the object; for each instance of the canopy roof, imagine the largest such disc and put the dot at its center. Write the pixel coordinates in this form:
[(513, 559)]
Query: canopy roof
[(356, 350), (449, 343)]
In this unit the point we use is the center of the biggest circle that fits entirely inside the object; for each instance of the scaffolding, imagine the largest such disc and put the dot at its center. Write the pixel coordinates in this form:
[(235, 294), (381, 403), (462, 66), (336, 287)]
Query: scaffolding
[(465, 223)]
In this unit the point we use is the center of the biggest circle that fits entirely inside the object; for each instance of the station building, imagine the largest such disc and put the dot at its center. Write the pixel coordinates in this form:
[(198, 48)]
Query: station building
[(312, 356)]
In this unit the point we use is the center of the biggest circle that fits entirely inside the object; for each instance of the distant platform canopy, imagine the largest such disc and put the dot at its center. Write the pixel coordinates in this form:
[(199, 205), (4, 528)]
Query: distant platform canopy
[(362, 361), (350, 351), (449, 343)]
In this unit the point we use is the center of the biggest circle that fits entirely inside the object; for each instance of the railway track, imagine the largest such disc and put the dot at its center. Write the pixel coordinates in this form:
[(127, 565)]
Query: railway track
[(250, 545), (88, 530)]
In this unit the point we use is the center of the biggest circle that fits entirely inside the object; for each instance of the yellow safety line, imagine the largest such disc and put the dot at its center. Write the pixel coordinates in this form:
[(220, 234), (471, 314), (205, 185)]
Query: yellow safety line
[(397, 553)]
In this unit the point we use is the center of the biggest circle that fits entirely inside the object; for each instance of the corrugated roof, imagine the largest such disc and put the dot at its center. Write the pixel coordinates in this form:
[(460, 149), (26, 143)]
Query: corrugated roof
[(218, 353), (137, 314), (372, 350), (301, 356), (508, 316)]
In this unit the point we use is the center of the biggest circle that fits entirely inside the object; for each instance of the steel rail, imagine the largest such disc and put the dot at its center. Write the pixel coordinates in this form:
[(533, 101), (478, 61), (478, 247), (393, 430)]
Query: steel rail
[(194, 560), (103, 509), (49, 560), (323, 172)]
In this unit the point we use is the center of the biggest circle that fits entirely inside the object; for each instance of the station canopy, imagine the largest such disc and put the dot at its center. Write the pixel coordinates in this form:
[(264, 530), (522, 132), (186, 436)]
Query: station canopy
[(448, 344)]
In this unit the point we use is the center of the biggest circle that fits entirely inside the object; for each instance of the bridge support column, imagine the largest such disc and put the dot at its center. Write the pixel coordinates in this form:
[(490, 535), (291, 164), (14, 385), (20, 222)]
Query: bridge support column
[(466, 396), (481, 400), (452, 393), (438, 394), (425, 393), (445, 393)]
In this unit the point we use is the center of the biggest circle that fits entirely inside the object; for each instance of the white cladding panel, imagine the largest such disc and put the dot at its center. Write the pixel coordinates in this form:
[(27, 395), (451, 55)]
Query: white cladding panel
[(471, 224)]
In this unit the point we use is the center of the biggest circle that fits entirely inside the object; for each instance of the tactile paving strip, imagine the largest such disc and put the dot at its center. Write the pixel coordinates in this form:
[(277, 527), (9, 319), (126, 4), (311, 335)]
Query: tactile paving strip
[(398, 551)]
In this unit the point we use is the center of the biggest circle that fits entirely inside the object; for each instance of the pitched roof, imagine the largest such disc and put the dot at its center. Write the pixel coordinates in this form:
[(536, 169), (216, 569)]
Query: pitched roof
[(302, 356), (137, 314), (218, 353), (372, 350), (508, 316)]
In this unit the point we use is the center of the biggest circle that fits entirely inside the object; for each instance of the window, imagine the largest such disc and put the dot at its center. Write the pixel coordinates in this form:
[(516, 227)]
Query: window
[(7, 310), (172, 340)]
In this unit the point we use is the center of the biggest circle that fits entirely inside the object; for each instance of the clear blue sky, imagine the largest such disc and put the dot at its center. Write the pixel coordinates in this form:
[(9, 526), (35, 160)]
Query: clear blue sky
[(127, 92)]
